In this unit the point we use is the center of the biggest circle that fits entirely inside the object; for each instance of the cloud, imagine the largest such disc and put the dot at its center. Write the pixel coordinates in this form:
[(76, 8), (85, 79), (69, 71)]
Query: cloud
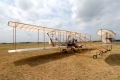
[(88, 10), (84, 16), (97, 14), (24, 4), (54, 14)]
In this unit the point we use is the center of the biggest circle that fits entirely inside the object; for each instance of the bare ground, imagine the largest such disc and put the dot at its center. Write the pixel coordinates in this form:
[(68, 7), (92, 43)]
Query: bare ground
[(54, 65)]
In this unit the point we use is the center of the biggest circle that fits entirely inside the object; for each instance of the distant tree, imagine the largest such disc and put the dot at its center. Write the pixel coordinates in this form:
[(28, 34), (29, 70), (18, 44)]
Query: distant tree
[(3, 43)]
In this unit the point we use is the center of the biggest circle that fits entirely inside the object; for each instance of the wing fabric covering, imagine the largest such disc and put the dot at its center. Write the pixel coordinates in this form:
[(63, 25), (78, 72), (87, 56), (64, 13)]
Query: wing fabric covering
[(106, 35), (34, 28)]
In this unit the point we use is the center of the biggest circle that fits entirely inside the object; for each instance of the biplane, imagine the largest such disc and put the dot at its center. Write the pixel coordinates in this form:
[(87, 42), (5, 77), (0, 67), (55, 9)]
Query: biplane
[(70, 39), (62, 39)]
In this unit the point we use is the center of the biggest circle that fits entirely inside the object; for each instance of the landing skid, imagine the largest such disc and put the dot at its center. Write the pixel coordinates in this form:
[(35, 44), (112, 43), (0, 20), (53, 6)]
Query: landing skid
[(66, 51), (100, 53)]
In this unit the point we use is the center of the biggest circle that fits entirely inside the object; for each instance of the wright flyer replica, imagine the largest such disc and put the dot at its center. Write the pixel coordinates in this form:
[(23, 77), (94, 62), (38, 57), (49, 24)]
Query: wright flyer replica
[(62, 39)]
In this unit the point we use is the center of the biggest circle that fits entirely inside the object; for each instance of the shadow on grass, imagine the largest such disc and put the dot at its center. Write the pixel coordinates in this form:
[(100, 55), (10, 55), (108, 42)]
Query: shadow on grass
[(41, 59), (113, 59), (84, 50)]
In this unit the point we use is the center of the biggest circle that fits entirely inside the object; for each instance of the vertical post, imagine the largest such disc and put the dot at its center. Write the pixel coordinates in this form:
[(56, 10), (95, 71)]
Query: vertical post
[(90, 38), (63, 37), (111, 46), (111, 41), (106, 39), (38, 37), (66, 36), (85, 39), (101, 37), (44, 38), (60, 37), (52, 35), (55, 38), (13, 38), (80, 38), (75, 35), (70, 36)]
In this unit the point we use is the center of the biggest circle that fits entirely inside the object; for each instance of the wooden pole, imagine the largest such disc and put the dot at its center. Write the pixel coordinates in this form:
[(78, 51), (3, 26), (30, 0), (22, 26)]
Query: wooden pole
[(111, 46), (111, 42), (90, 38), (60, 37), (66, 36), (63, 37), (55, 38), (13, 38), (38, 37), (106, 40), (101, 37), (80, 38), (44, 37), (85, 39)]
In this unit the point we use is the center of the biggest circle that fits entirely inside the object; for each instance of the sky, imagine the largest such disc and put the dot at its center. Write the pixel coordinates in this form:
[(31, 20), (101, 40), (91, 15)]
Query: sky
[(83, 16)]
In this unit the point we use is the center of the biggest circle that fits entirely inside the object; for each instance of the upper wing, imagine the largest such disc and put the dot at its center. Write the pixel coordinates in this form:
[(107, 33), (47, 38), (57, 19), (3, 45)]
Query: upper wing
[(34, 28)]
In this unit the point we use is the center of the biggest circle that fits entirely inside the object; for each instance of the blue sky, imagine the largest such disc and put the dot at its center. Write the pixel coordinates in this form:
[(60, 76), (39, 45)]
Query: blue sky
[(83, 16)]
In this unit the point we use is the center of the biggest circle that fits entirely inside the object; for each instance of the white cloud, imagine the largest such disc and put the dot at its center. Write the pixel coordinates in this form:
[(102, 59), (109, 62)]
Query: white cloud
[(24, 4), (94, 13), (54, 13), (85, 16)]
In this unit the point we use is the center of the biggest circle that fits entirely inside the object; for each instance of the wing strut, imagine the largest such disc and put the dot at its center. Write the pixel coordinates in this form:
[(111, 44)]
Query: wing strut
[(51, 40)]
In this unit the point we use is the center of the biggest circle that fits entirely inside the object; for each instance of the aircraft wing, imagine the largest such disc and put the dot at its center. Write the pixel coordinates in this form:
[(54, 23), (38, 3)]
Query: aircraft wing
[(34, 28), (32, 49), (104, 31)]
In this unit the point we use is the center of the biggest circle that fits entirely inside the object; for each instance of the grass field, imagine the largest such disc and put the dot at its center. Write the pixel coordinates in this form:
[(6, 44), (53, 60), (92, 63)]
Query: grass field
[(54, 65)]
